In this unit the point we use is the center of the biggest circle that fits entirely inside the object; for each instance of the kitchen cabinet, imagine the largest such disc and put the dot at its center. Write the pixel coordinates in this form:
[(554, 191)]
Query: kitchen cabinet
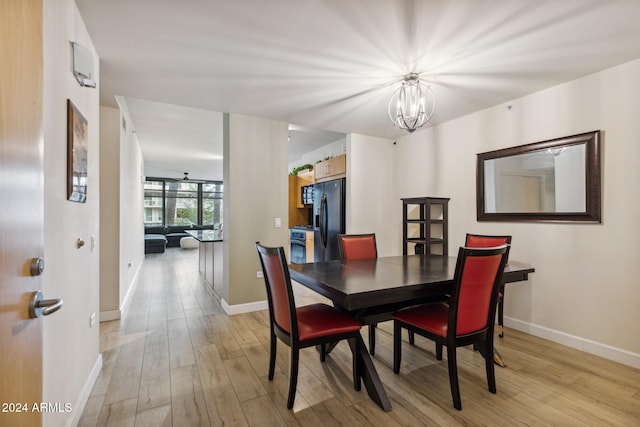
[(309, 245), (333, 168), (425, 225), (211, 265), (298, 212), (304, 179), (210, 258)]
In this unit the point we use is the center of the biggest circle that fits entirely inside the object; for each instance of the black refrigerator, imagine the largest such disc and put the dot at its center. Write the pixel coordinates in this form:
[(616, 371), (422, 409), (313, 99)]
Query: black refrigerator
[(329, 218)]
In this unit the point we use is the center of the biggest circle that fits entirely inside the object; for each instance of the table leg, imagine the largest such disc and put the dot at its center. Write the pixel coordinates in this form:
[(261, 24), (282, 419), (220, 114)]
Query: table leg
[(372, 382), (497, 358)]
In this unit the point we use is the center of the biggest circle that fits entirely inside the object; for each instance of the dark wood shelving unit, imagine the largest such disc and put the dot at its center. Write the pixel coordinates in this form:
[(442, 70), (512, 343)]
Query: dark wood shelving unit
[(425, 225)]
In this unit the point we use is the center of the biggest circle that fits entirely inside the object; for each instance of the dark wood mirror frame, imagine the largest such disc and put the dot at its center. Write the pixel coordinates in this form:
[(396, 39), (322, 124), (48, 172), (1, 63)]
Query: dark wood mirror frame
[(591, 141)]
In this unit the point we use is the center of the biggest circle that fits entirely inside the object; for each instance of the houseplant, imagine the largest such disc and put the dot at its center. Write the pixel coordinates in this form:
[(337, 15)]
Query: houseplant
[(301, 168)]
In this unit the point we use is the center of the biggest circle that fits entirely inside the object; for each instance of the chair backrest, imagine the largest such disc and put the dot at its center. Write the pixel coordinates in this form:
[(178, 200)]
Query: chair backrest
[(486, 241), (279, 291), (357, 246), (477, 282)]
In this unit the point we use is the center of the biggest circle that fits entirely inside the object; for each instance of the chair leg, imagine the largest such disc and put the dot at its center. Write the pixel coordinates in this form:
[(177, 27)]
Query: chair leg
[(453, 377), (397, 346), (293, 376), (323, 352), (412, 338), (272, 356), (501, 313), (438, 351), (372, 339), (490, 366)]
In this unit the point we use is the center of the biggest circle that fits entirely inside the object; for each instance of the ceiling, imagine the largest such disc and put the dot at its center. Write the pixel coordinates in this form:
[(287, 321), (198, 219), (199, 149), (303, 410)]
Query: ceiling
[(333, 64), (176, 139)]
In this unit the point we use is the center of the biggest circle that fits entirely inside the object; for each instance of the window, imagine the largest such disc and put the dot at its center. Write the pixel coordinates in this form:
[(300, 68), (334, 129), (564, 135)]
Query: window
[(153, 204), (211, 203), (169, 202), (181, 203)]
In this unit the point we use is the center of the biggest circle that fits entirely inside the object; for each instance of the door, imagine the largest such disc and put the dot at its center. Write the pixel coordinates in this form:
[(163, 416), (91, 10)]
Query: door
[(22, 221)]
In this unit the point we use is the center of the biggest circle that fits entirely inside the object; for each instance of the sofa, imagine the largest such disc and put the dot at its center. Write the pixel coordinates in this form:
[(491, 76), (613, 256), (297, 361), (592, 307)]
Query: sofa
[(154, 243), (156, 239)]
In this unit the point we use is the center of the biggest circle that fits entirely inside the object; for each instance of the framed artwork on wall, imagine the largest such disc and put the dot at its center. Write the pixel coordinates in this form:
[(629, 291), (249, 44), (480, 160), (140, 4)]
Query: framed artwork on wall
[(77, 147)]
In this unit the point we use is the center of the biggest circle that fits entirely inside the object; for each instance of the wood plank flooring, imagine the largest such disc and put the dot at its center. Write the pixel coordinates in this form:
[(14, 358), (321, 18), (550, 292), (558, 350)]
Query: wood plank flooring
[(176, 359)]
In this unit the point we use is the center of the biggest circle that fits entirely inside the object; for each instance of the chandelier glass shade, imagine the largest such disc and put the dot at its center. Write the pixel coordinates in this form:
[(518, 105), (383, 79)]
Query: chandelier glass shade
[(412, 104)]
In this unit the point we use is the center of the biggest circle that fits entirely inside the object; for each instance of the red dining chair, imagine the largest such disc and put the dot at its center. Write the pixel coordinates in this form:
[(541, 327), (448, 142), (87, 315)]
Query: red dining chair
[(357, 246), (301, 327), (360, 246), (484, 241), (467, 319)]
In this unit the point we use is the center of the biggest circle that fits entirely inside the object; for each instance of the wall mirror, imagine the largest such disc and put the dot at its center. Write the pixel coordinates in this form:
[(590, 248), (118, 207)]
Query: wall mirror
[(555, 180)]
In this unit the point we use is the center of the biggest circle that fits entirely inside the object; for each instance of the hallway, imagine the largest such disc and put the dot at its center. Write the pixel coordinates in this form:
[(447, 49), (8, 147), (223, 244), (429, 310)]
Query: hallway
[(170, 361)]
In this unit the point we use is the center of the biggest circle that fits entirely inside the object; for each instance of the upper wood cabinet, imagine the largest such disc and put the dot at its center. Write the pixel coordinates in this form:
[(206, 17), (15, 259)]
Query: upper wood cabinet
[(298, 212), (295, 189), (333, 168), (306, 177)]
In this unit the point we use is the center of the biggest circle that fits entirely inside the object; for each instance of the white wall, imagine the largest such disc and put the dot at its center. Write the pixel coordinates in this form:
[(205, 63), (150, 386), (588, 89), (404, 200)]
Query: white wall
[(71, 358), (569, 183), (585, 290), (256, 191), (332, 149), (369, 188), (131, 203), (122, 210)]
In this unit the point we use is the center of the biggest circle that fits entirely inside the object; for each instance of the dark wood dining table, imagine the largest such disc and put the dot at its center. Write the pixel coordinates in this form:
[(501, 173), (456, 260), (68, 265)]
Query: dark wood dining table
[(372, 289)]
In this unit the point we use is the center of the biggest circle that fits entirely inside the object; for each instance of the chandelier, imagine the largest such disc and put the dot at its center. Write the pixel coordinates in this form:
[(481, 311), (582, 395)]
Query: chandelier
[(412, 104)]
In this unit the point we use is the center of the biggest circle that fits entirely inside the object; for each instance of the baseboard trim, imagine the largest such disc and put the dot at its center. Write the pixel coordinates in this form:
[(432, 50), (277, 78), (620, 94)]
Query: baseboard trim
[(106, 316), (134, 282), (603, 350), (243, 308), (79, 406)]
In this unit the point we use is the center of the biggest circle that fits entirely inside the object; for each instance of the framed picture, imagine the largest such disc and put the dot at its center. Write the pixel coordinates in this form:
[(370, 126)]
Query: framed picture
[(77, 147)]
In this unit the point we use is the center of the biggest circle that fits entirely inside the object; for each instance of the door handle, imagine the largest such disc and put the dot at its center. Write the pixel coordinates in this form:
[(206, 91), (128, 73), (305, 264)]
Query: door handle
[(39, 307)]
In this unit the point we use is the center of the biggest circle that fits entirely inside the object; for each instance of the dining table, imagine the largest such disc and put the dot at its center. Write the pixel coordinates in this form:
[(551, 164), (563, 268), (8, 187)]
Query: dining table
[(370, 290)]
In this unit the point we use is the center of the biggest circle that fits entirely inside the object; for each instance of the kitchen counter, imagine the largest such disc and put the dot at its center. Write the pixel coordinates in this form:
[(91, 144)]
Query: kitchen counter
[(206, 235), (210, 258)]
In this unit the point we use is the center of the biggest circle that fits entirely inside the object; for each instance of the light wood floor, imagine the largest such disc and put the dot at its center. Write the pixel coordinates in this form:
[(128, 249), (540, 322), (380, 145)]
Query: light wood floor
[(176, 359)]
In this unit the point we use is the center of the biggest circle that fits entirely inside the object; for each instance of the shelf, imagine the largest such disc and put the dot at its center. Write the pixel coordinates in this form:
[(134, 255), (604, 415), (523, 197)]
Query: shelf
[(422, 240), (420, 200), (430, 214), (424, 221)]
